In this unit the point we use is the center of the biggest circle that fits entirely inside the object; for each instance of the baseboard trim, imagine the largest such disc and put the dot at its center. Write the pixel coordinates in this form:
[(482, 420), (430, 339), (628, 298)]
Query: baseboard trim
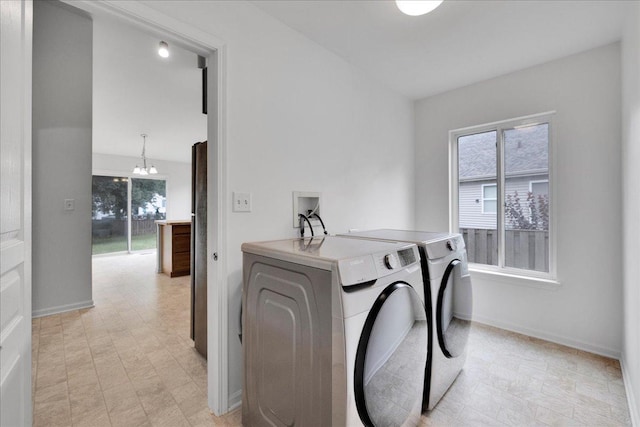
[(61, 309), (634, 412), (558, 339), (235, 400)]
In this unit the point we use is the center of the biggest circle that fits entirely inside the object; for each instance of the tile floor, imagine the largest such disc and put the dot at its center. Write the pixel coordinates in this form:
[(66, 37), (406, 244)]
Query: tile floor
[(126, 362), (129, 362), (512, 379)]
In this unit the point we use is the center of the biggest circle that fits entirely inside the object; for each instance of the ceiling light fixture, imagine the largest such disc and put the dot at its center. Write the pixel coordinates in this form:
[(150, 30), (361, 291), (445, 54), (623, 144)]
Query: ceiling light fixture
[(163, 50), (417, 7), (143, 170)]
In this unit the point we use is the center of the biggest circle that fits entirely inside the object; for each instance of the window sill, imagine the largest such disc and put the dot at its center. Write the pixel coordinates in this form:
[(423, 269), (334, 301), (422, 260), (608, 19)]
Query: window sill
[(513, 279)]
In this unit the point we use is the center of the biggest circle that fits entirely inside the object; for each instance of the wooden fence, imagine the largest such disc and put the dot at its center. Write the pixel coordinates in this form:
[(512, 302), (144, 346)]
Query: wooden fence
[(527, 249), (116, 227)]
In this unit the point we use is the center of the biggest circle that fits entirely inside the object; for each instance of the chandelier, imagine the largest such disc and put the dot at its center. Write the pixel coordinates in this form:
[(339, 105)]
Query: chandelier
[(143, 170)]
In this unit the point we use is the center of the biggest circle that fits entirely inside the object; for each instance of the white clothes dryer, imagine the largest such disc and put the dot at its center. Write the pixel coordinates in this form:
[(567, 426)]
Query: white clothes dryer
[(448, 301), (334, 332)]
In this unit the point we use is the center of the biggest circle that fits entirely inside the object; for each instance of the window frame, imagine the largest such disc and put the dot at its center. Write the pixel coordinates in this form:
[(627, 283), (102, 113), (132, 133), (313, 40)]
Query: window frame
[(500, 127)]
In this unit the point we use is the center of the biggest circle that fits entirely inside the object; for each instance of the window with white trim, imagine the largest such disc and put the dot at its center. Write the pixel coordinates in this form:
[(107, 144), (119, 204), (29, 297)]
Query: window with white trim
[(489, 198), (508, 165)]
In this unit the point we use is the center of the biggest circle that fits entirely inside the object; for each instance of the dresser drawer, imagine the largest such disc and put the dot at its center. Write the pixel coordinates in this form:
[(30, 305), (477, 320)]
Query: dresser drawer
[(181, 244)]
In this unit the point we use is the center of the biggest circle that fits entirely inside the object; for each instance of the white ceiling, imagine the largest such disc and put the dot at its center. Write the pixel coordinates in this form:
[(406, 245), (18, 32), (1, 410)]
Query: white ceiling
[(460, 43), (136, 91)]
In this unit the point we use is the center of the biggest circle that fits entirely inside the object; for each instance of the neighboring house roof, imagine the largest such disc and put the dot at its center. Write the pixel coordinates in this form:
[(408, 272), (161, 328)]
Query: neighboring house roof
[(526, 153)]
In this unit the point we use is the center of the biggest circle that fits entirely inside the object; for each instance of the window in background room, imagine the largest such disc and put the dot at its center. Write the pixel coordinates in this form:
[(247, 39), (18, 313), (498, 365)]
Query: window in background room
[(501, 180), (124, 211), (109, 214), (148, 201)]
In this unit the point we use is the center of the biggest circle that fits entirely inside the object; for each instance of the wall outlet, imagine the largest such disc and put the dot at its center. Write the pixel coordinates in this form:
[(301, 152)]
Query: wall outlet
[(241, 202), (69, 204)]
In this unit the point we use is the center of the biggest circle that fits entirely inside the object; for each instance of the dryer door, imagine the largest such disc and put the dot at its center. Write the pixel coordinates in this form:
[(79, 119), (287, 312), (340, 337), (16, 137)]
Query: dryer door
[(391, 359), (453, 311)]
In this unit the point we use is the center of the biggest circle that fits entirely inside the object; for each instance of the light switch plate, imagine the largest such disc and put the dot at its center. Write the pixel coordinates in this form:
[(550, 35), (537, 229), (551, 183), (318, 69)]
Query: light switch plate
[(241, 202)]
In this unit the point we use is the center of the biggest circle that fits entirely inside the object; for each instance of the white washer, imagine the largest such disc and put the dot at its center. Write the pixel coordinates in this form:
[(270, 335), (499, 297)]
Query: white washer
[(449, 301), (334, 333)]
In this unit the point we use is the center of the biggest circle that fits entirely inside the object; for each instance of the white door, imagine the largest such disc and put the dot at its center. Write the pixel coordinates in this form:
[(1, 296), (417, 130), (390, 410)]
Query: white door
[(15, 212)]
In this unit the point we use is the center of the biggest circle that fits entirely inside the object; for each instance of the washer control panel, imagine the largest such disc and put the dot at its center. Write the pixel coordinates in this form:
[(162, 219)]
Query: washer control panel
[(371, 267), (389, 262)]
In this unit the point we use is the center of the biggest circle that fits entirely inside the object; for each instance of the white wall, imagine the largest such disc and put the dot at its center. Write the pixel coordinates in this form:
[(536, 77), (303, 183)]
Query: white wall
[(300, 118), (177, 175), (136, 91), (61, 158), (584, 89), (631, 211)]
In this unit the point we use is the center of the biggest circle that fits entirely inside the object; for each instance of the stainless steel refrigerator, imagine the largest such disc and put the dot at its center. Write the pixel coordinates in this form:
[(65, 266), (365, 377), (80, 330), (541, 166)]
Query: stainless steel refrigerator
[(199, 246)]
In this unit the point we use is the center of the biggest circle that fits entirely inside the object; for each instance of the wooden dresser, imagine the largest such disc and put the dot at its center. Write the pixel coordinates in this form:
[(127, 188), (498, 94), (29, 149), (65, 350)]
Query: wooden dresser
[(174, 248)]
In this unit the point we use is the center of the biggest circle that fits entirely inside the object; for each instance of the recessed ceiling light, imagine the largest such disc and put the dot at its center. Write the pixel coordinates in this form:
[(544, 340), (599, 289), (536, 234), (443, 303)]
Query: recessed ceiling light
[(163, 50), (417, 7)]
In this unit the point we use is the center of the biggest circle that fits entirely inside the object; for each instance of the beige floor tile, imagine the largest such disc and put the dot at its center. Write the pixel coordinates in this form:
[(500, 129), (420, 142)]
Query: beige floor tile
[(186, 392), (552, 418), (52, 413), (81, 376), (98, 418), (204, 418), (621, 415), (121, 398), (141, 371), (50, 321), (129, 361), (78, 360), (153, 394), (86, 401), (593, 416), (168, 416), (470, 417), (520, 416), (50, 375), (134, 417), (53, 393), (234, 418), (193, 405), (173, 379), (111, 373)]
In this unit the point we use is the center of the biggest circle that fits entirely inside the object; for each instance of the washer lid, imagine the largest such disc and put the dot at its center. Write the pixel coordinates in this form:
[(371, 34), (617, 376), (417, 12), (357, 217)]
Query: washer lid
[(412, 236), (323, 252)]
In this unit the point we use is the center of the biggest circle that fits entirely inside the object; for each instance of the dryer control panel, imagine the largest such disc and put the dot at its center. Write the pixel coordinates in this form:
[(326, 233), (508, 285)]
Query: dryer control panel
[(371, 267), (445, 247)]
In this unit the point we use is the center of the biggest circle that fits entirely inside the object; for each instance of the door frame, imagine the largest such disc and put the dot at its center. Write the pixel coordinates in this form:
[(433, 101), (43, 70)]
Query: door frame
[(15, 252), (214, 49)]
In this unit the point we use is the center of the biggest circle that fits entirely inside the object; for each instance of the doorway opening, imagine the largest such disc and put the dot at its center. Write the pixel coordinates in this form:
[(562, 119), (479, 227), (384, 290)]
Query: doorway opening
[(178, 34)]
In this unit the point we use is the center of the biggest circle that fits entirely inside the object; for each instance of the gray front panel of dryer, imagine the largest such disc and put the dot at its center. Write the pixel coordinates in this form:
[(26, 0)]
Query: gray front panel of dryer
[(287, 344)]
